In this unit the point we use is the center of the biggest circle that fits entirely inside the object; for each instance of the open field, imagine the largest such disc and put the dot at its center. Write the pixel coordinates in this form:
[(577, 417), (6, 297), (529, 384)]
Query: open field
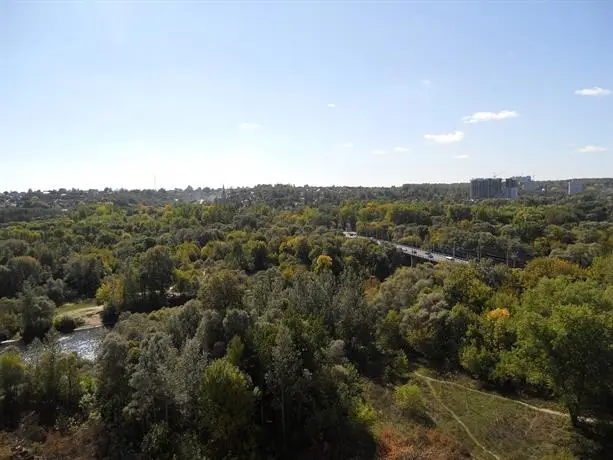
[(479, 424), (502, 428), (87, 310)]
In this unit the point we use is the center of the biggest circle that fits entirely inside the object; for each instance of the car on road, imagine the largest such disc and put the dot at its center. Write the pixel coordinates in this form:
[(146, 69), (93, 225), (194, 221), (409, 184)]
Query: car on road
[(448, 257)]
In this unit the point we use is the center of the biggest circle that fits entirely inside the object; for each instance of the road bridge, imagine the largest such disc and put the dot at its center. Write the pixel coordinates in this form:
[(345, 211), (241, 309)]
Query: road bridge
[(414, 252)]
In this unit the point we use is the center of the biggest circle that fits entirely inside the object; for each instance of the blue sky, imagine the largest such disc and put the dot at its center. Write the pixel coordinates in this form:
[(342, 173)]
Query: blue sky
[(346, 93)]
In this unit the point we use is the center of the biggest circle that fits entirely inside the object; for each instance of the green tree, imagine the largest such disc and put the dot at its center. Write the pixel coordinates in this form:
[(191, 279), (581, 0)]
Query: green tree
[(156, 270), (84, 275), (12, 381), (221, 290), (36, 315), (227, 404), (570, 351), (23, 269)]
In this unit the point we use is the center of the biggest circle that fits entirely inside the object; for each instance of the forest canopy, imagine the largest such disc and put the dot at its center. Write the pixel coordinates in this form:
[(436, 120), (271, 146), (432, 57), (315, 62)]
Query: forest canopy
[(249, 328)]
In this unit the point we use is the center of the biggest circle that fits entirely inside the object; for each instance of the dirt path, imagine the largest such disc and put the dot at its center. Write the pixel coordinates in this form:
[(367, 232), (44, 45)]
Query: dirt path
[(456, 418), (493, 395), (91, 316)]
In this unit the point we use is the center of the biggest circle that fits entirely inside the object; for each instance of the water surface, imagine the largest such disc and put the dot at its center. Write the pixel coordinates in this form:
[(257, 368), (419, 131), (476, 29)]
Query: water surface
[(84, 342)]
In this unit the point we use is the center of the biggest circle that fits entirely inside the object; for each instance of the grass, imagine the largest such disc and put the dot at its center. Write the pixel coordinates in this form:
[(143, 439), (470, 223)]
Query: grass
[(460, 422), (503, 428), (87, 310), (400, 436)]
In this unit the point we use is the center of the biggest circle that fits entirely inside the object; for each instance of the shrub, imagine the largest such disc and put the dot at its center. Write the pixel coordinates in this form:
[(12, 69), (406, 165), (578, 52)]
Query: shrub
[(408, 399), (64, 324)]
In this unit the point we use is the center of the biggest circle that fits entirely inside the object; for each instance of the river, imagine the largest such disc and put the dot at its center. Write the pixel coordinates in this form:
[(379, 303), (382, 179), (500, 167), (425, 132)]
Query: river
[(84, 342)]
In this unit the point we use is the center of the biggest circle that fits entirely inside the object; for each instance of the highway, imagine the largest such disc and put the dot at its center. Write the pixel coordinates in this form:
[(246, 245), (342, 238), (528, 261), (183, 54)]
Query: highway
[(415, 252)]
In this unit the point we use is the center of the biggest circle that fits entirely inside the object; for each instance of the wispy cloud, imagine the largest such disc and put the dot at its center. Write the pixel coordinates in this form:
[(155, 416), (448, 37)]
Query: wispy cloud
[(331, 105), (594, 91), (378, 152), (426, 82), (449, 138), (478, 117), (348, 145), (460, 157), (401, 149), (592, 149), (247, 126)]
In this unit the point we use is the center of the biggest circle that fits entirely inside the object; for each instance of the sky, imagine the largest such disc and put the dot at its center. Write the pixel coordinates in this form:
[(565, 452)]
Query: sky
[(238, 93)]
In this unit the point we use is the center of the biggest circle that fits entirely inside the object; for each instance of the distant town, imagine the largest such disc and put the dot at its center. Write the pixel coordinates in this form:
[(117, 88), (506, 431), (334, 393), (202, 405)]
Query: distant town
[(510, 188), (42, 203)]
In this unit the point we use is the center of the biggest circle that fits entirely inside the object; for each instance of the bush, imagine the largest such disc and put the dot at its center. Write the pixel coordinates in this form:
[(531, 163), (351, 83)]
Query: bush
[(64, 324), (408, 399), (109, 315)]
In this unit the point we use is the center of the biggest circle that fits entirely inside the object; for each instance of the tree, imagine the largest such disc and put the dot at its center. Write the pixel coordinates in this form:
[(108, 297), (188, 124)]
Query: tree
[(23, 269), (36, 315), (570, 352), (549, 267), (153, 405), (323, 262), (283, 377), (84, 275), (430, 328), (156, 270), (227, 404), (7, 282), (12, 380), (221, 290)]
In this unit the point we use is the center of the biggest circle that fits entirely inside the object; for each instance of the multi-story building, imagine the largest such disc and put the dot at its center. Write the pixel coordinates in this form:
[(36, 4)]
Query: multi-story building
[(510, 189), (525, 183), (485, 188), (575, 186), (493, 188)]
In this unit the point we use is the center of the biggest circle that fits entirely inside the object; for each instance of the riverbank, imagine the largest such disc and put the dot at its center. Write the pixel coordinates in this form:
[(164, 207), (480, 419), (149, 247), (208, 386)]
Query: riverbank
[(86, 312)]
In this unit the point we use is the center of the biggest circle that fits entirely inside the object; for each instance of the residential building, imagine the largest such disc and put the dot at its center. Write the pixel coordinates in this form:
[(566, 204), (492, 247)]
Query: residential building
[(510, 189), (485, 188), (575, 186)]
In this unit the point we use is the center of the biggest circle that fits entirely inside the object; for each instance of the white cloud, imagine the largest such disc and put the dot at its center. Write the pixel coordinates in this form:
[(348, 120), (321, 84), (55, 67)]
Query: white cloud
[(378, 152), (456, 136), (348, 145), (595, 91), (401, 149), (490, 116), (592, 149), (460, 157), (246, 126), (426, 82), (331, 106)]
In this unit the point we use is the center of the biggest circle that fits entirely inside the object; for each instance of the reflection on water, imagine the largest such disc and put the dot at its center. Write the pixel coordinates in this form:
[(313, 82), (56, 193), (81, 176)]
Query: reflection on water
[(84, 342)]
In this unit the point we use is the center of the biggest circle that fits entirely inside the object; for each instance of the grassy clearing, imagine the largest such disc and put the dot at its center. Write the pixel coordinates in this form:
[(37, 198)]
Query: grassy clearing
[(87, 310), (466, 381), (502, 428), (400, 436), (467, 422)]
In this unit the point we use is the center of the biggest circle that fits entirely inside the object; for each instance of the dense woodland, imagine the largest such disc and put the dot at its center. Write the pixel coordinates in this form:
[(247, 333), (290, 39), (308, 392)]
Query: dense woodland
[(249, 327)]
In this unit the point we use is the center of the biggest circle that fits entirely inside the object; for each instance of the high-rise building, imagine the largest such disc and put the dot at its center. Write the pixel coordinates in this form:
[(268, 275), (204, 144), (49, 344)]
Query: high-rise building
[(510, 189), (485, 188), (575, 186), (493, 188)]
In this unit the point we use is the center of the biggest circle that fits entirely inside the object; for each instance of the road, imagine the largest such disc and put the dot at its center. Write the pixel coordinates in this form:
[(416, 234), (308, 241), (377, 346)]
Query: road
[(415, 252)]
